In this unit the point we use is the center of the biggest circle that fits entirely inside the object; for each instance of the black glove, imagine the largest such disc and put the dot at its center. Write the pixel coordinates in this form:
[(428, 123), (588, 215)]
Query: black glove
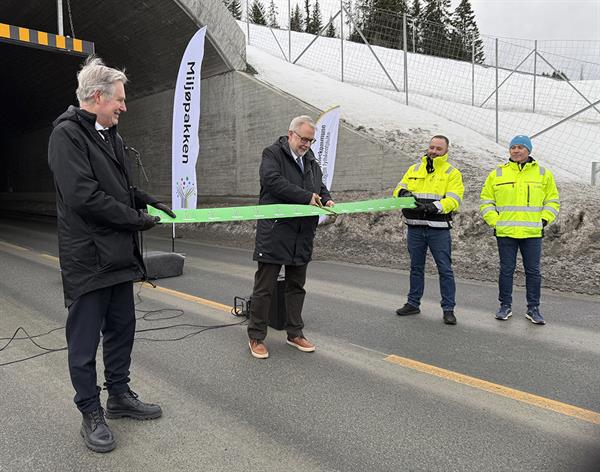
[(428, 208), (544, 223), (162, 207), (148, 221), (405, 193)]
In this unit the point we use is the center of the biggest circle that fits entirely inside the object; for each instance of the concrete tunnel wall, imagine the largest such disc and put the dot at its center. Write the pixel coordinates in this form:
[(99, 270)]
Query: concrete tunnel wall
[(240, 116)]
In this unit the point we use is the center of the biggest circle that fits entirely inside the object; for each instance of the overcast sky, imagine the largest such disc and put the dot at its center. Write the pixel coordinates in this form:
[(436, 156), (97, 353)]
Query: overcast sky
[(538, 19)]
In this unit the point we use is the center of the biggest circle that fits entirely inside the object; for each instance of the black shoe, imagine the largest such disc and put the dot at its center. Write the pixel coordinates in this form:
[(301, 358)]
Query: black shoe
[(95, 432), (408, 309), (127, 404), (449, 317)]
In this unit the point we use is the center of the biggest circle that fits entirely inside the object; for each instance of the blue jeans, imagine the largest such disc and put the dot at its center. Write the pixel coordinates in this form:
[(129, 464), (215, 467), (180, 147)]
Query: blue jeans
[(439, 243), (531, 251)]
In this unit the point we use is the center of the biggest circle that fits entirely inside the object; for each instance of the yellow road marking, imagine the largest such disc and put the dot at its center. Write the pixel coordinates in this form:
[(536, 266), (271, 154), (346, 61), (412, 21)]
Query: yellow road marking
[(14, 246), (49, 257), (192, 298), (529, 398)]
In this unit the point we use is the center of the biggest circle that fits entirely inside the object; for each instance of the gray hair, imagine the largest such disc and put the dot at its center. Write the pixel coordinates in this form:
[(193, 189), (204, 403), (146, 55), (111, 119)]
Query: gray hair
[(94, 77), (302, 120)]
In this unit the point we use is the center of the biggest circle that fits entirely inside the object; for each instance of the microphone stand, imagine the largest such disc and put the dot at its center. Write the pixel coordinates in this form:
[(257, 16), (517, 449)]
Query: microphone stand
[(140, 171)]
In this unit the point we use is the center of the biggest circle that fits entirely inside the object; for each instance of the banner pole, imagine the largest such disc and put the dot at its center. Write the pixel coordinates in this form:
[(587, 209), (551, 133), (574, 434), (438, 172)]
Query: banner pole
[(173, 239)]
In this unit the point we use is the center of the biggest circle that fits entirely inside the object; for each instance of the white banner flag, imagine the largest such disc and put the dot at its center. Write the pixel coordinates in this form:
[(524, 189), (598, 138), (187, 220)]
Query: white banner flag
[(325, 146), (186, 122)]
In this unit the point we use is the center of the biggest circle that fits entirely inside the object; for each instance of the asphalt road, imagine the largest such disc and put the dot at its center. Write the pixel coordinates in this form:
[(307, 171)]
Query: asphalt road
[(483, 396)]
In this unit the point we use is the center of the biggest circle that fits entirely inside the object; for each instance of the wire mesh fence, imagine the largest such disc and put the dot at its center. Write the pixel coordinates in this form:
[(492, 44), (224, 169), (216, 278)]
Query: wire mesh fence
[(497, 87)]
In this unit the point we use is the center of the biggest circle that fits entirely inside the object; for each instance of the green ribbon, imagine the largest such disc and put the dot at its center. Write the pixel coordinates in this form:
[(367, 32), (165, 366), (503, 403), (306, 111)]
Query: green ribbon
[(260, 212)]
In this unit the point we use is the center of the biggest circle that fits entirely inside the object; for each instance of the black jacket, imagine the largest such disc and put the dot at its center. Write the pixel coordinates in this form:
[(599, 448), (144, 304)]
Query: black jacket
[(287, 241), (97, 206)]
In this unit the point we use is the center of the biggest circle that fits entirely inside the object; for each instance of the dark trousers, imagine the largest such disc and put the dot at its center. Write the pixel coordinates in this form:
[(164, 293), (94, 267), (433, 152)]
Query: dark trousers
[(265, 284), (531, 252), (439, 243), (111, 311)]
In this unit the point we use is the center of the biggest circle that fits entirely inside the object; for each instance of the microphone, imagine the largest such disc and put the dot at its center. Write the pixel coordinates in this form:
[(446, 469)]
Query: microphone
[(134, 150), (138, 161)]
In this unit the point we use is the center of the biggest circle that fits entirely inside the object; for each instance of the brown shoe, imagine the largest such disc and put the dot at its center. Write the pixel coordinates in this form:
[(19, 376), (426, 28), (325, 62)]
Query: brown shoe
[(301, 343), (258, 349)]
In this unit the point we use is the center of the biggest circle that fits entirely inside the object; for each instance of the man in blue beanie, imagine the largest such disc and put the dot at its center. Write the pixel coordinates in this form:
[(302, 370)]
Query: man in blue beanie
[(518, 200)]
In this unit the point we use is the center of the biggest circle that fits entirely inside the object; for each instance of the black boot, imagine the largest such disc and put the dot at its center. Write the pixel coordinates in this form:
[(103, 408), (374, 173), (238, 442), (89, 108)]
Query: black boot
[(128, 404), (408, 309), (95, 432), (449, 317)]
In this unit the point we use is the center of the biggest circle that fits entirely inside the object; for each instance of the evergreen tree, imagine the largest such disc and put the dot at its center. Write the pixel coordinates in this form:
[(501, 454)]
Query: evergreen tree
[(296, 20), (465, 33), (316, 22), (330, 33), (307, 18), (235, 8), (360, 15), (349, 6), (436, 29), (272, 15), (257, 13), (414, 27), (383, 26)]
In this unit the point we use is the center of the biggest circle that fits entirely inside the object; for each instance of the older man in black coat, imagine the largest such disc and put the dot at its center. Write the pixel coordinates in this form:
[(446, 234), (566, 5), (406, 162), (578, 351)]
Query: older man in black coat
[(99, 213), (289, 173)]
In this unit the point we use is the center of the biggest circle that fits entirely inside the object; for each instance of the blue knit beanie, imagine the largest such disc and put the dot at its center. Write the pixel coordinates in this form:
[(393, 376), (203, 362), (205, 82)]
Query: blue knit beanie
[(522, 140)]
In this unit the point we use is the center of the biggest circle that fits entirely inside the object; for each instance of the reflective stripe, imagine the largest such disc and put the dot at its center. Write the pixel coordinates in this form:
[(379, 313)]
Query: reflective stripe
[(528, 209), (402, 185), (439, 206), (551, 210), (433, 224), (499, 172), (431, 196), (529, 224), (450, 169), (542, 170), (454, 196), (417, 167), (485, 202), (487, 210), (552, 201)]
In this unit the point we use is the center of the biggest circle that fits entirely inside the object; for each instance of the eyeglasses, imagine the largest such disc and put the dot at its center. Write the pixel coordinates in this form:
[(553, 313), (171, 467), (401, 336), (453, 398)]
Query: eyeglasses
[(304, 140)]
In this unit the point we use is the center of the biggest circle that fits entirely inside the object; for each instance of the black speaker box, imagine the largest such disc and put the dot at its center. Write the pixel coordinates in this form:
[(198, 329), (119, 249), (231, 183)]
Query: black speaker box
[(163, 264)]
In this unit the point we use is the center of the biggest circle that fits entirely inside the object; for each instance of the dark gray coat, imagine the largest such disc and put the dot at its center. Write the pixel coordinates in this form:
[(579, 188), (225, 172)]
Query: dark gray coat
[(287, 241), (97, 206)]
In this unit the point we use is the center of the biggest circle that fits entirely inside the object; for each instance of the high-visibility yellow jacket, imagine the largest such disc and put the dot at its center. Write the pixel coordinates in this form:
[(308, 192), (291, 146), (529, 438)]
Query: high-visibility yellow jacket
[(515, 199), (444, 187)]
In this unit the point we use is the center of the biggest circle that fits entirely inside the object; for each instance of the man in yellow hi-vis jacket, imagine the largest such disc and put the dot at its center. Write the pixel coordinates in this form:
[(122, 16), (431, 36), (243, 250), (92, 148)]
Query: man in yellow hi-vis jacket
[(438, 190), (518, 200)]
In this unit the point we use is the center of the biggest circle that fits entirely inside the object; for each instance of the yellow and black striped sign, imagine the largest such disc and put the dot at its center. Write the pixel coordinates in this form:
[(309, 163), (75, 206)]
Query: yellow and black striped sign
[(39, 39)]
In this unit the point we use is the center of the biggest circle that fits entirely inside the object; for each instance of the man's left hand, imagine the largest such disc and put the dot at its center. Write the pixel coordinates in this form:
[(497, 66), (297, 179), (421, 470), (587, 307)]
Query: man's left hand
[(430, 208), (162, 207), (330, 203)]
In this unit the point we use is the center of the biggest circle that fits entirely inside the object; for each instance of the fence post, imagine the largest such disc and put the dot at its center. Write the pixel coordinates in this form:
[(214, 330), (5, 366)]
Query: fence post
[(497, 90), (342, 36), (534, 71), (595, 173), (414, 27), (248, 21), (405, 45), (289, 31), (472, 70)]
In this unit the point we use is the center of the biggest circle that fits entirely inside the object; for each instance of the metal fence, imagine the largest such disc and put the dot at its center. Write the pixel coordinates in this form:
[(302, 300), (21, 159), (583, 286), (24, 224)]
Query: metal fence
[(498, 87)]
